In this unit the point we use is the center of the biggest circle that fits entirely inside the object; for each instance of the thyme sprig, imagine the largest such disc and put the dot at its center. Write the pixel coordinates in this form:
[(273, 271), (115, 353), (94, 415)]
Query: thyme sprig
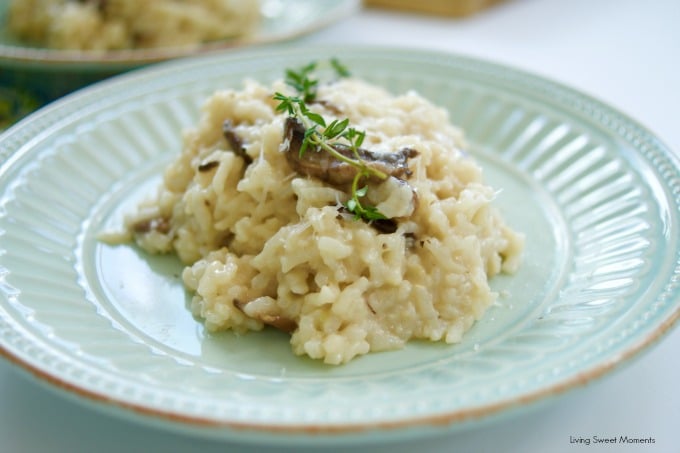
[(322, 135)]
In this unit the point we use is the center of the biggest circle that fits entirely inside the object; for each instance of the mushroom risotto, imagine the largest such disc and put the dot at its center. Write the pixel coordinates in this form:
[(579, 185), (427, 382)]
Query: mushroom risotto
[(125, 24), (337, 212)]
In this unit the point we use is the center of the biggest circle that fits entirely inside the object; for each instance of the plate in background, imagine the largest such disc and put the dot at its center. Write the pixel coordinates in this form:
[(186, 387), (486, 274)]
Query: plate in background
[(52, 73)]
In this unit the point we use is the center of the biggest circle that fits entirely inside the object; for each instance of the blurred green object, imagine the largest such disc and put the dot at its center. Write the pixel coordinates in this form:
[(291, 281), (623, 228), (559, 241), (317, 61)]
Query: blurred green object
[(51, 81), (31, 77), (16, 104)]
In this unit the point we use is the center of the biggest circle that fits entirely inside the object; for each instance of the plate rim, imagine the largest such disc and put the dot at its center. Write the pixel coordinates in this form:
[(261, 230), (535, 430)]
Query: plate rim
[(246, 430), (457, 417)]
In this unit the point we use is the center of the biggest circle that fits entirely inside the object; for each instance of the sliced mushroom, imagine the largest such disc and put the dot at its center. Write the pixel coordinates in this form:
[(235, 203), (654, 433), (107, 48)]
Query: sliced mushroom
[(328, 106), (208, 166), (100, 5), (321, 164), (235, 141)]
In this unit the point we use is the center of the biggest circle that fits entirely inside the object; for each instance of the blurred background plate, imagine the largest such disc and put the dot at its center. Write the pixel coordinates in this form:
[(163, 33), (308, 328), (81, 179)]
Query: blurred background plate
[(46, 74)]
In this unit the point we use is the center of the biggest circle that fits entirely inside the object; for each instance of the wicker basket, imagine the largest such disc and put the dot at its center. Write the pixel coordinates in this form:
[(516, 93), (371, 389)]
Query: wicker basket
[(454, 8)]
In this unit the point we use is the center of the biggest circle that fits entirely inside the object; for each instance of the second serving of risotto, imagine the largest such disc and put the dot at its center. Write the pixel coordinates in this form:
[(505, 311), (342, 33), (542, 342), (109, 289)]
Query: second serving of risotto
[(103, 25), (333, 210)]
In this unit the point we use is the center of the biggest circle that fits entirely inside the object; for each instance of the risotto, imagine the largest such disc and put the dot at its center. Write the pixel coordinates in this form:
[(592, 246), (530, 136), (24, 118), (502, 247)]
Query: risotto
[(125, 24), (278, 231)]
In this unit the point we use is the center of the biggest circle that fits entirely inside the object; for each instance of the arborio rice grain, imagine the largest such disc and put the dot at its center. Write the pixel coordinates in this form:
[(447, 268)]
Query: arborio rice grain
[(264, 245), (125, 24)]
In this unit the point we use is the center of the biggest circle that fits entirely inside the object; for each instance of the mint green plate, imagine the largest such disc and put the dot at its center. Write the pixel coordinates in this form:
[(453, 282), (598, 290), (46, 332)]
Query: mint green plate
[(52, 73), (596, 194)]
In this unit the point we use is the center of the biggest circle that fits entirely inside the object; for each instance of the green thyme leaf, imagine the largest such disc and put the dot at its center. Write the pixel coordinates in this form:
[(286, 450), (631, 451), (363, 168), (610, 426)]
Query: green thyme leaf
[(356, 137), (301, 81), (318, 119), (307, 140), (372, 213), (336, 128), (340, 69)]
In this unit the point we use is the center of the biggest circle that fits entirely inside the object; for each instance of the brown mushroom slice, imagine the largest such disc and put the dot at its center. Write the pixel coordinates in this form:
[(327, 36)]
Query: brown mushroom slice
[(235, 141), (321, 164)]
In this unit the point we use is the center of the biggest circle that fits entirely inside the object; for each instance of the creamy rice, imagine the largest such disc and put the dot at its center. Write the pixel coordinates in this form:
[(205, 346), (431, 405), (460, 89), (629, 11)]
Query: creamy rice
[(125, 24), (265, 245)]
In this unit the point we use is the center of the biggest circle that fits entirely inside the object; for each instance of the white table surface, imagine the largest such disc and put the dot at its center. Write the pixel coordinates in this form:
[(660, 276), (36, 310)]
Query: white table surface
[(624, 52)]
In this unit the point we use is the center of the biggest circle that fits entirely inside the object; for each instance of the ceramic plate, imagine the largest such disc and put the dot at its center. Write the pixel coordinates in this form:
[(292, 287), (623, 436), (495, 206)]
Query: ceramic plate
[(597, 195)]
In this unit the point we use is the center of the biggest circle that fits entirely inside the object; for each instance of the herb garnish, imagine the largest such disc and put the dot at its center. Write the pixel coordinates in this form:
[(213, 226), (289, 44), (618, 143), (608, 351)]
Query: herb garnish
[(322, 135)]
